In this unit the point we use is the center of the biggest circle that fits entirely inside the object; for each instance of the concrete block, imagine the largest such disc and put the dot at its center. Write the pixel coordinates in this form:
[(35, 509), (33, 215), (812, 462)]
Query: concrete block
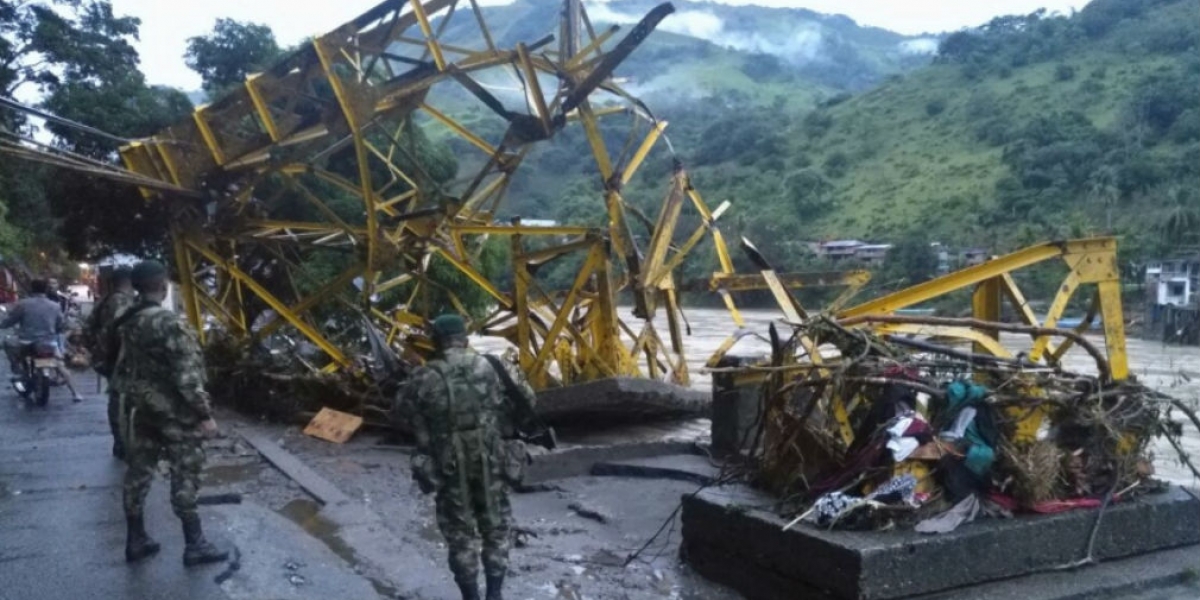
[(735, 409), (681, 467), (621, 399), (727, 540)]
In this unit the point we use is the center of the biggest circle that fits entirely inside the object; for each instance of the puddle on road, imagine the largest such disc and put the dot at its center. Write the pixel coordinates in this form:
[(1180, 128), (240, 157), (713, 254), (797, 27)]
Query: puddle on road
[(306, 514), (234, 473)]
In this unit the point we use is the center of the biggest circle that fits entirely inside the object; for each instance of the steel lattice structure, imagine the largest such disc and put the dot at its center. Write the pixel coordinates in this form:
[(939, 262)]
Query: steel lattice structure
[(354, 94)]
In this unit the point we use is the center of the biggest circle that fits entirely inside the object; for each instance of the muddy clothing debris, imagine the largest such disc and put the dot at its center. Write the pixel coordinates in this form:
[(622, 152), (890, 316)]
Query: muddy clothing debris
[(160, 376), (457, 408)]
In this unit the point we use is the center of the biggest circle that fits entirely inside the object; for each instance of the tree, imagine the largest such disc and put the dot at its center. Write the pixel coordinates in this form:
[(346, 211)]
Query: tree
[(232, 51), (808, 191), (44, 42), (912, 260), (69, 50)]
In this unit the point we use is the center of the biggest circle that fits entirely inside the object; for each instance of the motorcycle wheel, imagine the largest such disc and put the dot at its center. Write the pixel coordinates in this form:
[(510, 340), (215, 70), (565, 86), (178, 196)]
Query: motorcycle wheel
[(43, 389)]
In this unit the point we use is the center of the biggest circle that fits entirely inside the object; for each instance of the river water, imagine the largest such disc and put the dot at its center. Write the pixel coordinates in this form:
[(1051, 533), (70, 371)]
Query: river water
[(1172, 369)]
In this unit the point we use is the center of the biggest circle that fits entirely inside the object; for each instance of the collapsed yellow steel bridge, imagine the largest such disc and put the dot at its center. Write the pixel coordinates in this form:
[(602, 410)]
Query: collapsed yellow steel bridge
[(339, 117)]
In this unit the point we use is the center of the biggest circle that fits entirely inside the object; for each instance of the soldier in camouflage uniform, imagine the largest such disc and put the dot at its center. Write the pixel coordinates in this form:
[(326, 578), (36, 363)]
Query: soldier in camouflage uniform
[(457, 409), (103, 315), (160, 376)]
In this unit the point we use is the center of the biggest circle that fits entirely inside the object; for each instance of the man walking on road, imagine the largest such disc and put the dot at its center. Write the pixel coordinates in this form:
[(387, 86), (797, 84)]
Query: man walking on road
[(160, 376), (112, 307), (457, 407)]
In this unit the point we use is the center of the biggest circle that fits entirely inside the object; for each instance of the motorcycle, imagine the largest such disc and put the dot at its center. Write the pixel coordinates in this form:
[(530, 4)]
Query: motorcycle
[(37, 370)]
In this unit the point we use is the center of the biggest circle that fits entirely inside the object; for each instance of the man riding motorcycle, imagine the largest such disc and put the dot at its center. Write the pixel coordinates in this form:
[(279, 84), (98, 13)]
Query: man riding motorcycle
[(38, 319)]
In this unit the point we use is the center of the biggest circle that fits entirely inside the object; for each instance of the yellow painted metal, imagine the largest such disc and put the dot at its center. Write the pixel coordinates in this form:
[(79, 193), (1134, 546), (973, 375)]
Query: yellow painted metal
[(264, 111), (955, 281), (276, 133), (278, 306), (457, 127), (209, 139), (643, 150), (435, 49), (187, 284), (1065, 291), (349, 112), (535, 88), (983, 341), (1114, 328)]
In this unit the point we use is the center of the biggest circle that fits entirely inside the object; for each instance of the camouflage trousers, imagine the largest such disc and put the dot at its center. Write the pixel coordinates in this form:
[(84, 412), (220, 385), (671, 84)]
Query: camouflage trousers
[(181, 446), (114, 418), (475, 518)]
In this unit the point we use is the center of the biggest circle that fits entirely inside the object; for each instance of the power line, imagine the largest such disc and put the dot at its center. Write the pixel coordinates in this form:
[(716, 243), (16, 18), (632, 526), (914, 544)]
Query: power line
[(37, 112)]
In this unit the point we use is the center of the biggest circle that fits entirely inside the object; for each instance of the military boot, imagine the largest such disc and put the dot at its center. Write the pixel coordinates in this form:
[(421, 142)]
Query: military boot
[(138, 545), (494, 585), (198, 551), (470, 591)]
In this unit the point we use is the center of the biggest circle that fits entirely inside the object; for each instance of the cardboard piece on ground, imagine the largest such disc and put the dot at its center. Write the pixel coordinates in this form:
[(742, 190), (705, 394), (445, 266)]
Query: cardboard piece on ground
[(333, 426)]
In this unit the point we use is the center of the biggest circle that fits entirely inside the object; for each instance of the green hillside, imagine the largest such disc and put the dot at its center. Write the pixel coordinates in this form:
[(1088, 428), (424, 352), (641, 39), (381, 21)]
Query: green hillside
[(1033, 127)]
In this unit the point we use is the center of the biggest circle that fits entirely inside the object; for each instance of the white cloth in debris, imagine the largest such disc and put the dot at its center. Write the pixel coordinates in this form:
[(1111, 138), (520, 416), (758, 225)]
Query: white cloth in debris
[(905, 485), (903, 447), (900, 426), (964, 419), (827, 508), (963, 512)]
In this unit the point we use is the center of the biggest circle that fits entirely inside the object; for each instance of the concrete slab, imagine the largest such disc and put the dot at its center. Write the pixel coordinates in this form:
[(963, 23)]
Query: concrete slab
[(729, 540), (620, 399), (1167, 574), (681, 467), (296, 470), (578, 461)]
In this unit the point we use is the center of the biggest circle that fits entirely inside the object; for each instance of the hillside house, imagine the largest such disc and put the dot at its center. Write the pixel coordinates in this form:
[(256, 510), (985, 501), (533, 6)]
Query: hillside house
[(974, 256), (1174, 282), (839, 249), (872, 253)]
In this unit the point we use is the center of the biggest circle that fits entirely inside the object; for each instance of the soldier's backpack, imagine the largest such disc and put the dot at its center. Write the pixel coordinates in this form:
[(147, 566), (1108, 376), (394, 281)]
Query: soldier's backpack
[(105, 363)]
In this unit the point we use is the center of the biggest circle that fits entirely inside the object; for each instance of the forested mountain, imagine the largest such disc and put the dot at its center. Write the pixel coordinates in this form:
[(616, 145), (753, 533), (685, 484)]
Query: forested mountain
[(1027, 128)]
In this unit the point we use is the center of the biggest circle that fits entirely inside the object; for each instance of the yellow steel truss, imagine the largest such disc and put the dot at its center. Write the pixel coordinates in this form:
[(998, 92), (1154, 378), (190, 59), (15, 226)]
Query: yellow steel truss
[(356, 94)]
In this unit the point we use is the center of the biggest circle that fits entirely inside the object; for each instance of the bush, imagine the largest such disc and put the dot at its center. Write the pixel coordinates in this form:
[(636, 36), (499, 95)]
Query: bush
[(935, 107), (808, 191), (996, 131), (1064, 73), (834, 100), (817, 123), (837, 164), (1186, 127)]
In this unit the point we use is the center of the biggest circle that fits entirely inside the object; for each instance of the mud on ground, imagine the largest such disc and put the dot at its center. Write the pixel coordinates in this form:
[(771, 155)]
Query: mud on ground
[(576, 533)]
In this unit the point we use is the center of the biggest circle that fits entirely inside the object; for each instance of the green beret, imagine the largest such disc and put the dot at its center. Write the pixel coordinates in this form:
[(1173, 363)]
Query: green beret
[(147, 271), (449, 325)]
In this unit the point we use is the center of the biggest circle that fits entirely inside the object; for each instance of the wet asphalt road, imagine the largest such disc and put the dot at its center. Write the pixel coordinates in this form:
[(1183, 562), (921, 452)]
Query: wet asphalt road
[(62, 528)]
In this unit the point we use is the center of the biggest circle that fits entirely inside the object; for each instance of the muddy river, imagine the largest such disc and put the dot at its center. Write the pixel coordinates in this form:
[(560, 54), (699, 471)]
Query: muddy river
[(1172, 369)]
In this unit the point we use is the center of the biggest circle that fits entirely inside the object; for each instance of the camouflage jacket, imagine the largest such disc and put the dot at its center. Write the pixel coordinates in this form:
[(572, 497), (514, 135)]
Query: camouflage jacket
[(160, 369), (107, 311), (456, 393)]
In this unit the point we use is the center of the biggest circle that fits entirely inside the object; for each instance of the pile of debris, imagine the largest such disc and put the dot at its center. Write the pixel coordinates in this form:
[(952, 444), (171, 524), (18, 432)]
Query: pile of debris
[(279, 386), (885, 431)]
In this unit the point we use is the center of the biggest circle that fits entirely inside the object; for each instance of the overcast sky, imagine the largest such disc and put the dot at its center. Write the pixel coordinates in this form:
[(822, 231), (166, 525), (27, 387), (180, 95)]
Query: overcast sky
[(166, 24)]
